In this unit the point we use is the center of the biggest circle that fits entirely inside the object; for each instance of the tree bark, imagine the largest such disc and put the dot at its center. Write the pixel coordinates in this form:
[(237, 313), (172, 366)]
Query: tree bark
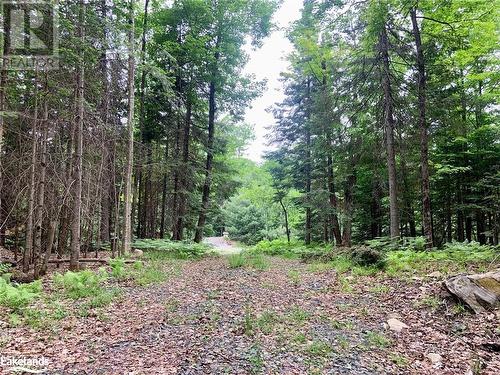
[(127, 228), (422, 121), (182, 194), (210, 149), (348, 208), (285, 213), (3, 84), (37, 248), (389, 129), (78, 165), (106, 177), (28, 250), (308, 167), (164, 196)]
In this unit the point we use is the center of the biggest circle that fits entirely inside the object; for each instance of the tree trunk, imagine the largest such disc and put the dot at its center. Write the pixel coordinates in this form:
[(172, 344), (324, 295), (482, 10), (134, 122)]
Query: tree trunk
[(143, 206), (480, 227), (389, 128), (460, 214), (164, 196), (37, 248), (285, 213), (308, 168), (184, 177), (468, 228), (349, 208), (210, 150), (78, 164), (106, 177), (48, 248), (333, 202), (3, 85), (28, 250), (422, 121), (376, 210), (127, 228)]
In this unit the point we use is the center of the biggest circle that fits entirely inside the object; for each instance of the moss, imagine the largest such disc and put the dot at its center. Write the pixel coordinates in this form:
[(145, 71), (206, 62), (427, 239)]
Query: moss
[(490, 284)]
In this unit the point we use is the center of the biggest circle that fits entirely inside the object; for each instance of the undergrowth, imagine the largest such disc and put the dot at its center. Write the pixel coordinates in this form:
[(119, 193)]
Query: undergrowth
[(16, 297), (404, 256), (247, 259), (171, 249)]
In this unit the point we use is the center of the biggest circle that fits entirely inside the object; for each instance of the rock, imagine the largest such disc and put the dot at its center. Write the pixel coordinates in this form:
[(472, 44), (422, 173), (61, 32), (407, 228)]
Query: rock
[(481, 292), (366, 256), (435, 274), (136, 253), (396, 325), (434, 358), (21, 277)]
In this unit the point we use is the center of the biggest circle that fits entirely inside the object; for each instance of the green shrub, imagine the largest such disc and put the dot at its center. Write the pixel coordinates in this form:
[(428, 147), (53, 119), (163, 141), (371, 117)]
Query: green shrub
[(81, 284), (118, 268), (293, 250), (320, 348), (16, 297), (151, 274), (236, 260), (165, 249), (454, 256), (247, 259), (367, 257)]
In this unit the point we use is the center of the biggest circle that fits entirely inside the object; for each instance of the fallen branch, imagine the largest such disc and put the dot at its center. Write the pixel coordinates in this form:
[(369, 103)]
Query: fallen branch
[(90, 260)]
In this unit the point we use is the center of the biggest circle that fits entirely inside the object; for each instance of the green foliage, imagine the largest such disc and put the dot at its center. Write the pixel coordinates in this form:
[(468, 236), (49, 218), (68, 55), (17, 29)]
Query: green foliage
[(377, 339), (367, 257), (454, 256), (81, 284), (117, 268), (294, 249), (266, 321), (4, 268), (151, 274), (294, 277), (298, 314), (16, 297), (245, 222), (320, 348), (157, 248), (250, 260)]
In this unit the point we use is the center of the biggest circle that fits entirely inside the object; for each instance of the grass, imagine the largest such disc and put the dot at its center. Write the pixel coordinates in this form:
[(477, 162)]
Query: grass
[(18, 297), (319, 348), (171, 249), (377, 339), (82, 284), (454, 257), (431, 302), (266, 321), (256, 359), (248, 260), (298, 314), (379, 289), (294, 277), (299, 338), (398, 359)]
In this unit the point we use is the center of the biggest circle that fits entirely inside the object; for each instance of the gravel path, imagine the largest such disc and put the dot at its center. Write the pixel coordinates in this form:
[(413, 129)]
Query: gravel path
[(223, 246), (288, 319)]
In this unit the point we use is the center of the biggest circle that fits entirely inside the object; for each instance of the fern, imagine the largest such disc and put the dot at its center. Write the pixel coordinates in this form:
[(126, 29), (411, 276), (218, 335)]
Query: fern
[(17, 297)]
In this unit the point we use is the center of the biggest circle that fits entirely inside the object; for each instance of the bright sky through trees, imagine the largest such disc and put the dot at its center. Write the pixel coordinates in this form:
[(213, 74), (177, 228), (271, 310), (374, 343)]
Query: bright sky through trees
[(267, 63)]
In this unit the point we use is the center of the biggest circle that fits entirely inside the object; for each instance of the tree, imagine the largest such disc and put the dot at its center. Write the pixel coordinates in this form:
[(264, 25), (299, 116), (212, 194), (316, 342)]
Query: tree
[(127, 216)]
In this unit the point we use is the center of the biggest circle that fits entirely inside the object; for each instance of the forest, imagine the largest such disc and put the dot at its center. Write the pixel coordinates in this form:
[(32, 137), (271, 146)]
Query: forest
[(364, 239)]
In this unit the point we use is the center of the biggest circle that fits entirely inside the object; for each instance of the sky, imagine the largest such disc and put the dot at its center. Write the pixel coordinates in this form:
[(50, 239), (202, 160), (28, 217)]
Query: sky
[(267, 63)]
